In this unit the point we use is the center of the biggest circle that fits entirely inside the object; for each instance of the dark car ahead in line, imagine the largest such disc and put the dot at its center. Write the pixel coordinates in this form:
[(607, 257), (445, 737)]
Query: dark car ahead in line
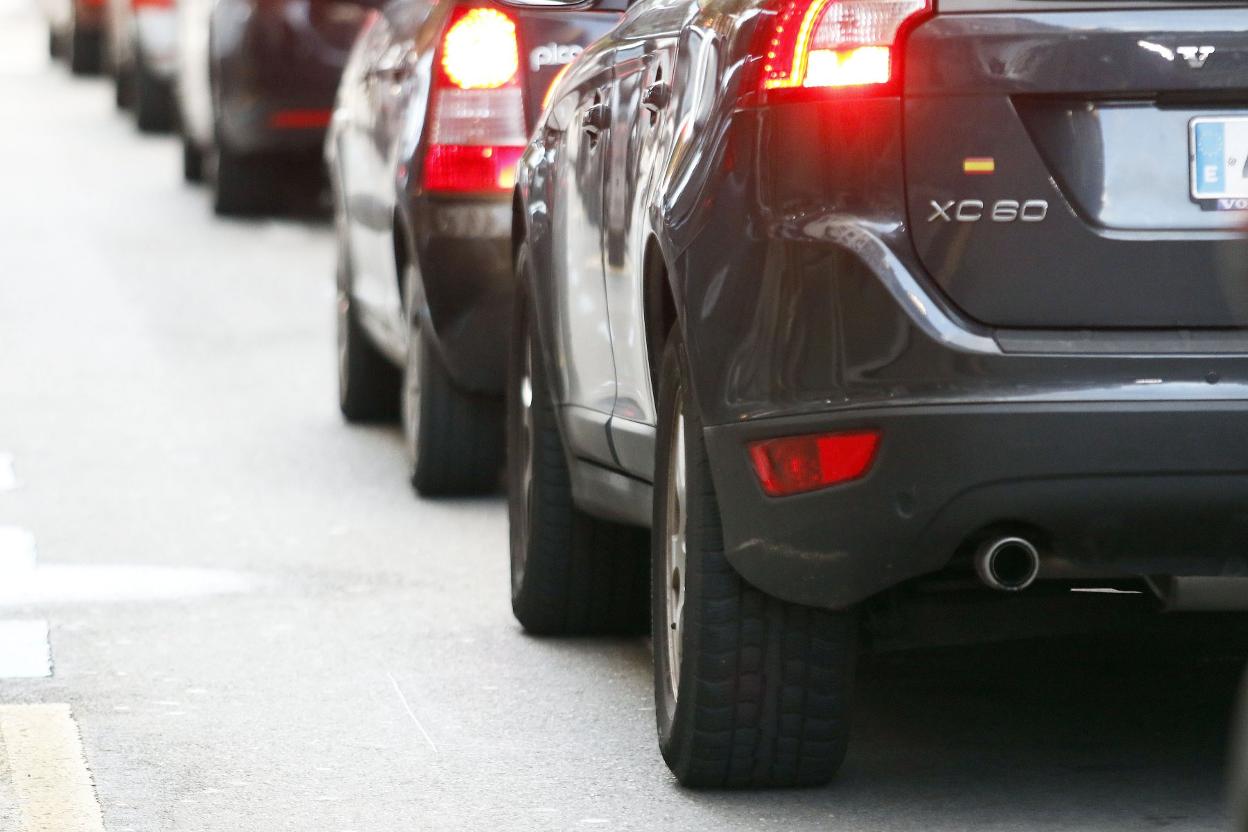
[(434, 110), (842, 296), (255, 88)]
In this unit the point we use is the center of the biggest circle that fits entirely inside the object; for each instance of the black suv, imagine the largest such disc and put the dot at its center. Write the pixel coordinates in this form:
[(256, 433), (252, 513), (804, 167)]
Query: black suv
[(838, 296)]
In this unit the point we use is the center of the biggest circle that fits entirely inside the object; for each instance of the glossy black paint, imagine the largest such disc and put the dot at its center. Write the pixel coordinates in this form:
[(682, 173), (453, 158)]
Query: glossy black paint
[(279, 56), (789, 237)]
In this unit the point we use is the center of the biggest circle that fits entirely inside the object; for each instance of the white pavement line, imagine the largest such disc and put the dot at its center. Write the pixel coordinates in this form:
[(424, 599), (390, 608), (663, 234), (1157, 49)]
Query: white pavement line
[(24, 650), (8, 476), (50, 777), (73, 584), (17, 551), (411, 713)]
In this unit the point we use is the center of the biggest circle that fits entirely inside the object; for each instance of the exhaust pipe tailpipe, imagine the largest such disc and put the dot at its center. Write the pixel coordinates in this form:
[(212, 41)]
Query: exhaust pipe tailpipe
[(1007, 564)]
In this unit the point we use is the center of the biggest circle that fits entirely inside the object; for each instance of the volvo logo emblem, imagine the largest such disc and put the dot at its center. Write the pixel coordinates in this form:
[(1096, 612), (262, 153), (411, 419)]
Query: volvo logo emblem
[(1196, 55)]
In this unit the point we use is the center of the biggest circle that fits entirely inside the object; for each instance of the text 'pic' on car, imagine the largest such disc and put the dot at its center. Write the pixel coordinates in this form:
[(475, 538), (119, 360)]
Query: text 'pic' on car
[(255, 88), (432, 116), (141, 51), (856, 302)]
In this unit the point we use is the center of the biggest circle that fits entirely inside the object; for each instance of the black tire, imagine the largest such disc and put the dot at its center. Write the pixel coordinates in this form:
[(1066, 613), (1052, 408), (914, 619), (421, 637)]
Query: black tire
[(454, 438), (86, 51), (570, 573), (192, 161), (123, 87), (761, 696), (244, 185), (56, 45), (368, 384), (153, 98)]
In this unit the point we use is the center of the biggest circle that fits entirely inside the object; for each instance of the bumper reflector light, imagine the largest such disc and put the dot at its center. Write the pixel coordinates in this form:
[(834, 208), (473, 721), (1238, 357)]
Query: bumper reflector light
[(795, 464), (300, 119), (471, 168)]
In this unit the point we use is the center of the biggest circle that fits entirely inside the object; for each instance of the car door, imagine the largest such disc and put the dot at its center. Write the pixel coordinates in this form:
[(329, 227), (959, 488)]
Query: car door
[(380, 94), (641, 128), (587, 368)]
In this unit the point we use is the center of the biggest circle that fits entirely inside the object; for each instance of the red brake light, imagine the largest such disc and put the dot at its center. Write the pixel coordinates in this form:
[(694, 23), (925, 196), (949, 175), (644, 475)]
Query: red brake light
[(479, 50), (476, 128), (465, 168), (794, 464), (834, 43)]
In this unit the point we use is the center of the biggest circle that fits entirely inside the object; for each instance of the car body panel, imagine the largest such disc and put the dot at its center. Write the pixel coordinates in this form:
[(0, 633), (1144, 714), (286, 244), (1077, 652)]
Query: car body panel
[(785, 232), (58, 13), (1086, 113), (273, 60), (153, 30), (193, 81)]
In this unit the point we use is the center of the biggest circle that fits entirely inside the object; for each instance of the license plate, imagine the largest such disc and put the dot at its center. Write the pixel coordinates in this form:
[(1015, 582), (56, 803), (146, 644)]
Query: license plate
[(1219, 152)]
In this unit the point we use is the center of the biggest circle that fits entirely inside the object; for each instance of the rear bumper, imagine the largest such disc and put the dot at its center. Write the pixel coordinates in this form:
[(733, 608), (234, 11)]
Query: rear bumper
[(89, 15), (1131, 489), (156, 34), (464, 247)]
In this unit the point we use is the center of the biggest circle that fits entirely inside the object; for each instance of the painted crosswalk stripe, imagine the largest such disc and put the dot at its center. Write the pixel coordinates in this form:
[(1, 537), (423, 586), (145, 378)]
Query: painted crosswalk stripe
[(24, 650), (51, 783)]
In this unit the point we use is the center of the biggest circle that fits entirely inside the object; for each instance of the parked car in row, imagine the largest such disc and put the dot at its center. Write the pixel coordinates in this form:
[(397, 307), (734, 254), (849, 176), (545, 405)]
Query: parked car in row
[(432, 115), (837, 295), (142, 54), (255, 89), (76, 33)]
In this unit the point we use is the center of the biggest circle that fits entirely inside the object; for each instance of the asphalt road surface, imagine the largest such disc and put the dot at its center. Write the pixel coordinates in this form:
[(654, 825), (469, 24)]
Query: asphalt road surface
[(255, 625)]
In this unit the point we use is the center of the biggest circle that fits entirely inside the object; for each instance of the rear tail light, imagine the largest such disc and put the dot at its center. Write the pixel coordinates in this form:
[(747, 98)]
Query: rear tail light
[(151, 4), (795, 464), (834, 43), (476, 120)]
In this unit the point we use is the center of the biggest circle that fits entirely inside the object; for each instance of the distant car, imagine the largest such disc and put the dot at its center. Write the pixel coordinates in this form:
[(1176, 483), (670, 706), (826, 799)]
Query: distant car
[(433, 113), (255, 91), (76, 33), (142, 54)]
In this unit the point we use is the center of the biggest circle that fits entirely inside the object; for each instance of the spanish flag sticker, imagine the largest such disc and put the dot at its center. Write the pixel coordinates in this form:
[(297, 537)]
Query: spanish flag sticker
[(978, 165)]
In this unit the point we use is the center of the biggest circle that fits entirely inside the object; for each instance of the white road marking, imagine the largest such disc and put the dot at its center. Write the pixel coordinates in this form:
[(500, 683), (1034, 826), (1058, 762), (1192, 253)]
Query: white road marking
[(8, 476), (24, 650), (50, 777), (17, 552), (60, 584), (412, 714)]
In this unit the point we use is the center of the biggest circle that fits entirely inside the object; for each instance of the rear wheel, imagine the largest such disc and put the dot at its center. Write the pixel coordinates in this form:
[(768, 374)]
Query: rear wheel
[(153, 98), (570, 573), (750, 691), (368, 384), (454, 438), (192, 161), (244, 184), (123, 87), (86, 51), (56, 46)]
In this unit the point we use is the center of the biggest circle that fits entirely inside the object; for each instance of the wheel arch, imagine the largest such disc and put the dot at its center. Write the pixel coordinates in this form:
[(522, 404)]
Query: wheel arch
[(659, 306)]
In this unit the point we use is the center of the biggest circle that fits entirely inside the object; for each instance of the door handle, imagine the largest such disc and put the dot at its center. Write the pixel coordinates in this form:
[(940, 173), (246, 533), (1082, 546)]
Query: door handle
[(656, 97), (388, 74), (596, 119)]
